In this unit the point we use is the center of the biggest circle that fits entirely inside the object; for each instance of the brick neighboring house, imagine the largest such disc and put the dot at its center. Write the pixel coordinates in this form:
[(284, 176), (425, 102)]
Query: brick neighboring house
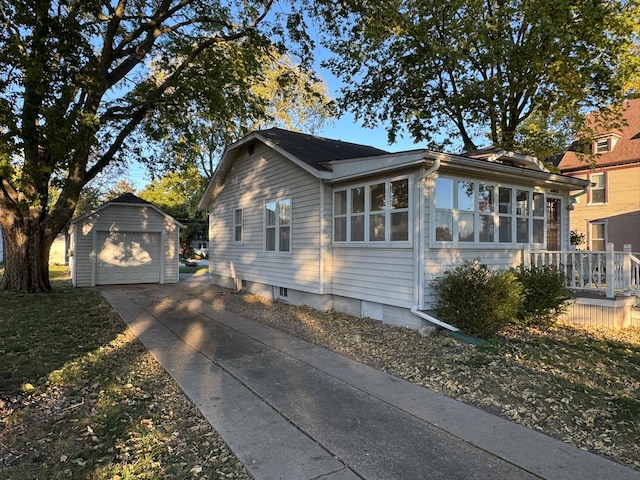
[(609, 212)]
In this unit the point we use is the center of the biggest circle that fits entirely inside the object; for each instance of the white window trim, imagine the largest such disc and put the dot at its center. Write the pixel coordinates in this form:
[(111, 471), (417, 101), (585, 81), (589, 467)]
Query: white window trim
[(236, 225), (602, 142), (605, 232), (476, 243), (604, 188), (367, 214), (277, 227)]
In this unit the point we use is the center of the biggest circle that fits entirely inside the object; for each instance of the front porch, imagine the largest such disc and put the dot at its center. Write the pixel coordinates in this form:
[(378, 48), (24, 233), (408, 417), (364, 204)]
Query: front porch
[(606, 285)]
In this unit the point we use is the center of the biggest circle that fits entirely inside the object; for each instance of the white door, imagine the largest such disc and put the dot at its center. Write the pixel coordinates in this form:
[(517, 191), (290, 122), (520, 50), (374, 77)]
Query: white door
[(128, 257)]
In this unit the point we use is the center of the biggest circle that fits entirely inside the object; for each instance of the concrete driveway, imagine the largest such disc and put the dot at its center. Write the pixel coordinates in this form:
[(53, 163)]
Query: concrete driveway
[(292, 410)]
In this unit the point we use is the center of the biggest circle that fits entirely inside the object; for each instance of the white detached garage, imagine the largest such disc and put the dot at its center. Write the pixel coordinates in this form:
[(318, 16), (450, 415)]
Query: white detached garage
[(127, 240)]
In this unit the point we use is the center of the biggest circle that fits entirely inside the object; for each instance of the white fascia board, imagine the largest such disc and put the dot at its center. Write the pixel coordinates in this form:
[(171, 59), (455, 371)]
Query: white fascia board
[(124, 204), (478, 168), (220, 173), (343, 170)]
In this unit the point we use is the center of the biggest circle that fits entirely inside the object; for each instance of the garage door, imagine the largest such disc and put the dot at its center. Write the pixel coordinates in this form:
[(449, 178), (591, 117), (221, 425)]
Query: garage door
[(128, 257)]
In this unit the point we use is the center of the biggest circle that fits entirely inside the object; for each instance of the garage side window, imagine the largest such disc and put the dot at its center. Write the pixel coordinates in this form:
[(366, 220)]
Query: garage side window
[(237, 225), (278, 226)]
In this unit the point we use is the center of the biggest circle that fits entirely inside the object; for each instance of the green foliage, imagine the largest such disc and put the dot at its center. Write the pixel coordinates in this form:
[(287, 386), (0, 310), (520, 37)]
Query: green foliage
[(472, 69), (177, 194), (545, 295), (481, 301), (576, 238), (78, 80), (194, 131), (477, 300)]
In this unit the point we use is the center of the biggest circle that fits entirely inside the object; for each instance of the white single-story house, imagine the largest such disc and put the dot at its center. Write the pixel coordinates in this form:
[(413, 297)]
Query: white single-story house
[(127, 240), (347, 227)]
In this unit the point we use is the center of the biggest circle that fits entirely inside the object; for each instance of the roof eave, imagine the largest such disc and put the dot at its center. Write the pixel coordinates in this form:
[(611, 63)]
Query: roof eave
[(514, 173), (125, 204), (221, 171)]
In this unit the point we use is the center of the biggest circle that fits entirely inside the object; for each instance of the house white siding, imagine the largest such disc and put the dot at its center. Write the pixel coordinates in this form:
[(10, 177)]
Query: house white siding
[(383, 275), (92, 237), (381, 260), (251, 183)]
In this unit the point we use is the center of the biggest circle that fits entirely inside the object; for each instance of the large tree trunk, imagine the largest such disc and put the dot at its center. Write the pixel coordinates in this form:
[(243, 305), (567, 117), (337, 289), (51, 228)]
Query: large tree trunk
[(26, 256)]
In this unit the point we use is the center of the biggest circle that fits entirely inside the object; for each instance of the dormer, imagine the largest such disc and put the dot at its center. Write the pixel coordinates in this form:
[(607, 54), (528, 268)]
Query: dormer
[(605, 143)]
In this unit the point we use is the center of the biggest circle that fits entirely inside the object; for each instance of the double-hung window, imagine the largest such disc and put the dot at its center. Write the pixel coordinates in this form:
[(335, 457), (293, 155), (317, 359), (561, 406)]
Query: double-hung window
[(598, 234), (374, 213), (598, 189), (469, 212), (278, 226), (237, 225)]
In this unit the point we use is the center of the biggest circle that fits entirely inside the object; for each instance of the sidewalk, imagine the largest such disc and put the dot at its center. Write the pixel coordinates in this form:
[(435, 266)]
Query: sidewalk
[(292, 410)]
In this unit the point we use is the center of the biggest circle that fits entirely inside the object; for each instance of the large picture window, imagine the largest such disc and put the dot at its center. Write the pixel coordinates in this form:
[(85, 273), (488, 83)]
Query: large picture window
[(374, 213), (278, 226), (470, 212)]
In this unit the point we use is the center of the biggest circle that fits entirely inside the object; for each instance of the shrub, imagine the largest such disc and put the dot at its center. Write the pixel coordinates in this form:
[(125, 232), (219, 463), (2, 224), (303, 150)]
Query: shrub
[(477, 300), (545, 295)]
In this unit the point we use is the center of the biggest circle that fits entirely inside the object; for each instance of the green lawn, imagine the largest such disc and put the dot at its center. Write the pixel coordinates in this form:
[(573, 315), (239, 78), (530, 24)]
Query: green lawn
[(80, 397)]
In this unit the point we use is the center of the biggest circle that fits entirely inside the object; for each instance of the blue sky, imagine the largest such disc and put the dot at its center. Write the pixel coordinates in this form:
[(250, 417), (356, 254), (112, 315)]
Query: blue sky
[(345, 128)]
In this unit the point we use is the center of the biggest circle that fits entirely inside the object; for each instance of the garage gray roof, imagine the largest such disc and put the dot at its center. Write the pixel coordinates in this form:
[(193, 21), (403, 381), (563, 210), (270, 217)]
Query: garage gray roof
[(129, 198)]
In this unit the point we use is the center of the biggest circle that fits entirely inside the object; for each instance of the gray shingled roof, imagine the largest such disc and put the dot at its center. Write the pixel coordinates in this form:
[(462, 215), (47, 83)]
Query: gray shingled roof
[(315, 150), (129, 198)]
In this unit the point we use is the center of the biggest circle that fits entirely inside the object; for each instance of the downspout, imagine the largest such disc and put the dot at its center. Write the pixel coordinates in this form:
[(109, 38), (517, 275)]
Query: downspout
[(321, 258), (433, 320), (420, 255), (579, 194)]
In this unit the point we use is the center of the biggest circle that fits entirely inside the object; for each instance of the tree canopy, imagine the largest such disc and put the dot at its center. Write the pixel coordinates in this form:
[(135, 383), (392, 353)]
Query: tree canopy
[(509, 71), (194, 131), (79, 78), (177, 194)]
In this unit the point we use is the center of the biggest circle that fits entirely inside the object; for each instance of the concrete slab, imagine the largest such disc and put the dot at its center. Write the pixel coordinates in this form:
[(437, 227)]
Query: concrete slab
[(291, 410)]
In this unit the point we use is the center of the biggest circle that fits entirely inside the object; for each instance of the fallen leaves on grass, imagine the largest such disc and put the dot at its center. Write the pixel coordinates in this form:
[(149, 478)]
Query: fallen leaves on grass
[(113, 413)]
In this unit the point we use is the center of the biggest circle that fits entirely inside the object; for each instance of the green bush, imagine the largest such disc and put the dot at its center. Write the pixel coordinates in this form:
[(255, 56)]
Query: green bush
[(545, 295), (477, 300)]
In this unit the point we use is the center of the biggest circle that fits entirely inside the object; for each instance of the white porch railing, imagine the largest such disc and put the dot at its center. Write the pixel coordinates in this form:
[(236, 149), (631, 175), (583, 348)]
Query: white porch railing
[(610, 272)]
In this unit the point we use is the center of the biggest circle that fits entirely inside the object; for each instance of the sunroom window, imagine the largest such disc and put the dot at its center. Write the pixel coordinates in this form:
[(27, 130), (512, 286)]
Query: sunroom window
[(470, 212), (374, 213)]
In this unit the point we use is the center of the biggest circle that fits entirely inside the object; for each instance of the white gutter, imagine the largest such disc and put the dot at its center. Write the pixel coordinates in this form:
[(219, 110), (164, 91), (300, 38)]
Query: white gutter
[(582, 192), (420, 257), (431, 169)]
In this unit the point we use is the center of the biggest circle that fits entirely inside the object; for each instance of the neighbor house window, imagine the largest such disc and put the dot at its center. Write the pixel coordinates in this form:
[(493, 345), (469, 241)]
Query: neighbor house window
[(373, 213), (470, 212), (598, 237), (598, 189), (602, 145), (278, 226), (237, 225)]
